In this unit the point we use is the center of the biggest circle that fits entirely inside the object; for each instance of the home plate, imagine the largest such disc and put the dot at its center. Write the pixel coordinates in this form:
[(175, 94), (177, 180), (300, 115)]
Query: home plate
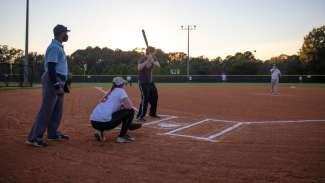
[(168, 125)]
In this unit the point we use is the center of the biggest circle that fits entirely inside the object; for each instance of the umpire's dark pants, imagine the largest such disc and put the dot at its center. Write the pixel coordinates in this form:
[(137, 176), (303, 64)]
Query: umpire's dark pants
[(149, 94), (50, 113), (124, 116)]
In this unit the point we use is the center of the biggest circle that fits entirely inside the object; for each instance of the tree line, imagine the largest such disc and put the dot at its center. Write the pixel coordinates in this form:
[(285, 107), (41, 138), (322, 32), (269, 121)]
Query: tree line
[(310, 59)]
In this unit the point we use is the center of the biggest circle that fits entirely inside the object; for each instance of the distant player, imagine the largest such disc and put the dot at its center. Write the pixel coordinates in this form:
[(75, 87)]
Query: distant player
[(149, 93), (223, 77), (129, 79), (114, 109), (275, 76)]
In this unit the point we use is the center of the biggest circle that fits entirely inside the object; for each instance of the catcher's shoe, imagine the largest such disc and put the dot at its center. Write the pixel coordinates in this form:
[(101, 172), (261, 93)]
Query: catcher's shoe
[(99, 135), (124, 139)]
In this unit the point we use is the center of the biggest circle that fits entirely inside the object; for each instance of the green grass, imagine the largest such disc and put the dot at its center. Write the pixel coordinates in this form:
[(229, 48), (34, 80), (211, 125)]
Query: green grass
[(175, 85), (299, 85), (35, 86)]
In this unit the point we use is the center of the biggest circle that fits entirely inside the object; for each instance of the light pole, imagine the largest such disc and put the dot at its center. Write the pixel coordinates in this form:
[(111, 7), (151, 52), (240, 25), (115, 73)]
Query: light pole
[(26, 44), (188, 28)]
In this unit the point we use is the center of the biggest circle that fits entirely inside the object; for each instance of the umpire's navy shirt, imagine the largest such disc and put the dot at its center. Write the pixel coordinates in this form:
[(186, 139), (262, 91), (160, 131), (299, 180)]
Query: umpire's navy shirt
[(55, 53)]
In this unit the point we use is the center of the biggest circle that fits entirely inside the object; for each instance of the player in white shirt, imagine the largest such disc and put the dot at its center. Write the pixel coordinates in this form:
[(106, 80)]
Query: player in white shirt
[(129, 79), (114, 109), (275, 76), (223, 77)]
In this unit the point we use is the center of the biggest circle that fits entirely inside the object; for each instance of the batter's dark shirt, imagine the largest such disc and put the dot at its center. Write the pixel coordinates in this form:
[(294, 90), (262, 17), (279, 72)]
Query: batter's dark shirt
[(145, 75)]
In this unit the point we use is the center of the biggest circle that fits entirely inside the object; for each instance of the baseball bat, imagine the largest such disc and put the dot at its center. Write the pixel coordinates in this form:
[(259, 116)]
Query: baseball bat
[(145, 38)]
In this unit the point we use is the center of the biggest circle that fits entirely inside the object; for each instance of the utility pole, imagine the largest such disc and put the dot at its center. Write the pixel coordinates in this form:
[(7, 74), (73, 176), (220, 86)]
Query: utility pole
[(188, 28), (26, 45)]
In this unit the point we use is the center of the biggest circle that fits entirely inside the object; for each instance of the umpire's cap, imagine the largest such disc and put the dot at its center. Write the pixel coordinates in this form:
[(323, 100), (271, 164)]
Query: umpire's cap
[(58, 29)]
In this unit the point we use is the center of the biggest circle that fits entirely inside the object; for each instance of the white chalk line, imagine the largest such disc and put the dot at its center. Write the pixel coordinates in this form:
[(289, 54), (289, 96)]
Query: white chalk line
[(211, 138), (160, 120), (285, 121), (223, 132), (221, 120), (190, 136), (154, 122), (264, 122), (187, 126), (101, 89)]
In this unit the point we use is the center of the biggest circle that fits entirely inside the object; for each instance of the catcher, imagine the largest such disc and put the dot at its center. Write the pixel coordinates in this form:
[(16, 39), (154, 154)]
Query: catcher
[(114, 109)]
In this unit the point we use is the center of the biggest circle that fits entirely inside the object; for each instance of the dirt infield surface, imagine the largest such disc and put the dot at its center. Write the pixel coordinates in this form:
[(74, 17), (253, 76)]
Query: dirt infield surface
[(214, 134)]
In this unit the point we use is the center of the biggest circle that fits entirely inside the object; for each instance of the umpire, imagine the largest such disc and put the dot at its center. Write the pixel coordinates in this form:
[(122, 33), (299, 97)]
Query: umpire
[(149, 93), (54, 86)]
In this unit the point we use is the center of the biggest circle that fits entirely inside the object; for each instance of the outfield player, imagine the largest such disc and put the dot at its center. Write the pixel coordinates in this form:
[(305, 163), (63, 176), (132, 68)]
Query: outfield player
[(54, 86), (114, 109), (149, 93), (129, 79), (223, 77), (275, 76)]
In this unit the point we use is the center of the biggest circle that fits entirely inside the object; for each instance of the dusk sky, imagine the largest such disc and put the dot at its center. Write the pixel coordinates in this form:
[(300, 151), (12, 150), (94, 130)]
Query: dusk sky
[(224, 27)]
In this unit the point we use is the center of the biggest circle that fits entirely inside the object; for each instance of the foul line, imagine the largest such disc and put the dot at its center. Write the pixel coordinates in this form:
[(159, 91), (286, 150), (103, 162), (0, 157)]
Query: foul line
[(287, 121), (160, 120), (101, 89), (264, 122)]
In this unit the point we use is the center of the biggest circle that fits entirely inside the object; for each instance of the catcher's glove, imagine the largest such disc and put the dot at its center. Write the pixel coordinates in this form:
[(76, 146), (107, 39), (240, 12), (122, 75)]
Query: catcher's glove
[(134, 126)]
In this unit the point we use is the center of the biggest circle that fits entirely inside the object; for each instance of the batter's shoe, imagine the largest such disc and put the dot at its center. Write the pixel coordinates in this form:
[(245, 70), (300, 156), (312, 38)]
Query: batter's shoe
[(129, 137), (59, 137), (36, 143), (141, 120)]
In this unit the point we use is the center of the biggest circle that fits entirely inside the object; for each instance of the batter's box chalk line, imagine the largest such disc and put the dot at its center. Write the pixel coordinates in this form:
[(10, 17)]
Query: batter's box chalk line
[(235, 125), (211, 138), (169, 125)]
